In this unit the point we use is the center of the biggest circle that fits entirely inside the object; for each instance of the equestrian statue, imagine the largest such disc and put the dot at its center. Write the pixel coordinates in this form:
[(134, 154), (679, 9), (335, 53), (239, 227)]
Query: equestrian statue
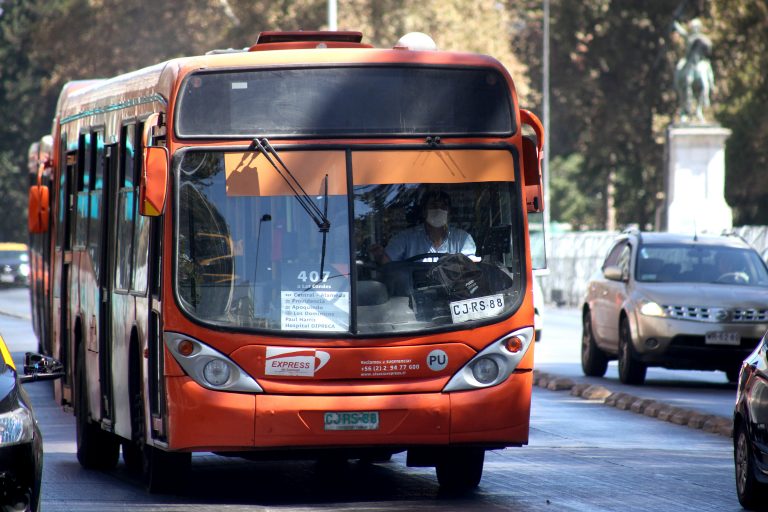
[(694, 79)]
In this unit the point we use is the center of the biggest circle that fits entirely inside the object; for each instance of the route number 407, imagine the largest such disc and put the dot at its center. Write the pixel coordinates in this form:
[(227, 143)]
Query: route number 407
[(313, 276)]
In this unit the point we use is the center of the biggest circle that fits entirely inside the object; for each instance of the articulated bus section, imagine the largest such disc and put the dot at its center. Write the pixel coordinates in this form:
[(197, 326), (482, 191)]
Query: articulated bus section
[(243, 253)]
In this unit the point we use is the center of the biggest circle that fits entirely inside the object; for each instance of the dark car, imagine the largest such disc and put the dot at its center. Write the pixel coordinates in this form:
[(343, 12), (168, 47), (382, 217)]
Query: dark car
[(750, 437), (14, 264), (21, 444), (676, 301)]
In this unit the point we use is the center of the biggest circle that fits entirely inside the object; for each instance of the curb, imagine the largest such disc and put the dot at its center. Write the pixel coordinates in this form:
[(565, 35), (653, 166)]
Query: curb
[(690, 418), (15, 315)]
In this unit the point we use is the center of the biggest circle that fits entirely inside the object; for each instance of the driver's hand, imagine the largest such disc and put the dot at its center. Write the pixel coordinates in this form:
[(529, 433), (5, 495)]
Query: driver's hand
[(378, 254)]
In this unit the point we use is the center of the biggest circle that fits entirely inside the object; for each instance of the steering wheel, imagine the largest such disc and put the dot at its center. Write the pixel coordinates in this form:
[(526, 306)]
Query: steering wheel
[(733, 277), (417, 257)]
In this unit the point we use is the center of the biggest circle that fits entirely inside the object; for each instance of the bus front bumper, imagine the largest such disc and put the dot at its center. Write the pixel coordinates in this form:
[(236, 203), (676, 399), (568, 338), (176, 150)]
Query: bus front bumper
[(203, 420)]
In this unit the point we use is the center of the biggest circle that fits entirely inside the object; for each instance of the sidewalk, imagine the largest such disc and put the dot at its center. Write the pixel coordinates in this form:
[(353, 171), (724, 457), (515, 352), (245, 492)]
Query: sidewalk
[(16, 303), (713, 423)]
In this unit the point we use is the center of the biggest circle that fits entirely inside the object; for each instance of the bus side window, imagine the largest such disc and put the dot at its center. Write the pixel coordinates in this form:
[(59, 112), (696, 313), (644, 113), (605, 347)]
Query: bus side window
[(60, 207), (141, 229), (96, 200), (81, 200), (125, 207)]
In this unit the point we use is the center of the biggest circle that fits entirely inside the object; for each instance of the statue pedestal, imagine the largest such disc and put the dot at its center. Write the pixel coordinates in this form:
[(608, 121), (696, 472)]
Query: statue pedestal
[(695, 179)]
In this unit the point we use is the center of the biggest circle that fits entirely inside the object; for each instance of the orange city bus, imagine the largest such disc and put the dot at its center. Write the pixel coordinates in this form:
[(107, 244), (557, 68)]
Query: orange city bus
[(212, 222)]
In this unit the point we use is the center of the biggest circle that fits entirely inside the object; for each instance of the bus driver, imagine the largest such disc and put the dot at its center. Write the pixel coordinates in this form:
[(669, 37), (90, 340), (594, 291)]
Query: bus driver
[(434, 236)]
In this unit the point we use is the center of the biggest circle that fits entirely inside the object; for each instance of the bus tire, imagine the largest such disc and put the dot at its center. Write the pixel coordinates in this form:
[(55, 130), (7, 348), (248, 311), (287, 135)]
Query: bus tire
[(96, 448), (163, 471), (160, 471), (460, 470)]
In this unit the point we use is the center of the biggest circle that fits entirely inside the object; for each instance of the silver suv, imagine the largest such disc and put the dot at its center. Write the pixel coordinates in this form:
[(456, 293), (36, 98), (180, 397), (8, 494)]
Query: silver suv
[(676, 301)]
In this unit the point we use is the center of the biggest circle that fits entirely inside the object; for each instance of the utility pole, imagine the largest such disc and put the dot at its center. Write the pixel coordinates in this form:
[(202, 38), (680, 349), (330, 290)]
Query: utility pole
[(332, 15), (545, 108)]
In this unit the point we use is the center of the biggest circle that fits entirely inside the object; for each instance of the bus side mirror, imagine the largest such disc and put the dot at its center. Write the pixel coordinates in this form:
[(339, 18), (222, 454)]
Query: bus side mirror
[(39, 209), (532, 156), (154, 181), (534, 199)]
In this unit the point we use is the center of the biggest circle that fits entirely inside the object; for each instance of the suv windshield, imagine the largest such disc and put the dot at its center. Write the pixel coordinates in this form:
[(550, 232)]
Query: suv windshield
[(425, 239), (671, 263)]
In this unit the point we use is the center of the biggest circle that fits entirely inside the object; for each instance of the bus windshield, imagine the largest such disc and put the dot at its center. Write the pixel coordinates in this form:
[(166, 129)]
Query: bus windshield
[(426, 239)]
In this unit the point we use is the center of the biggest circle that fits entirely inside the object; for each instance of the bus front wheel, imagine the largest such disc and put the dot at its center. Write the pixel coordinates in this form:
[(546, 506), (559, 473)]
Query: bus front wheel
[(165, 471), (460, 469), (160, 471)]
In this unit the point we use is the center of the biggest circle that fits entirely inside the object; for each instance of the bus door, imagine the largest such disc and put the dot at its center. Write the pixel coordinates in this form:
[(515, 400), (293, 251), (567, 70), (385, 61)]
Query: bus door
[(66, 214), (104, 169)]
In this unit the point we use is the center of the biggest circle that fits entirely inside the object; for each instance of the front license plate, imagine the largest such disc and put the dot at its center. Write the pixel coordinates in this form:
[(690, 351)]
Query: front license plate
[(475, 309), (722, 338), (354, 420), (6, 278)]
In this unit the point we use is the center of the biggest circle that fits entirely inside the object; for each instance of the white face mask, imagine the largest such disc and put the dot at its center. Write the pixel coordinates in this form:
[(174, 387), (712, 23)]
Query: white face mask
[(437, 218)]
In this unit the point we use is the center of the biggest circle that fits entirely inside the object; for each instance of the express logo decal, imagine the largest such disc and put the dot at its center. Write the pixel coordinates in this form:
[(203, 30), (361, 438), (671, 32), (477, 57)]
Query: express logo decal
[(293, 362)]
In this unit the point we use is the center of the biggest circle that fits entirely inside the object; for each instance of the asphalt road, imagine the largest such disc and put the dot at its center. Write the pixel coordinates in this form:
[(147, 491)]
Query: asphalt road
[(582, 456), (559, 354)]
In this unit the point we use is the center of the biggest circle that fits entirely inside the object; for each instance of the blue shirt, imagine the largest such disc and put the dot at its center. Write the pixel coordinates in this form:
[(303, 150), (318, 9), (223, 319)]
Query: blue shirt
[(413, 241)]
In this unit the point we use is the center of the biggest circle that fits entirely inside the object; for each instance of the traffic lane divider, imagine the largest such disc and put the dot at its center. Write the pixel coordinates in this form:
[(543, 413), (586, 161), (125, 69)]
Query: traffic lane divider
[(691, 418)]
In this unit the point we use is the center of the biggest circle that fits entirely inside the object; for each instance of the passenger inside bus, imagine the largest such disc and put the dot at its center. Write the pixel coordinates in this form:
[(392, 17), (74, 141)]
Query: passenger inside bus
[(435, 235)]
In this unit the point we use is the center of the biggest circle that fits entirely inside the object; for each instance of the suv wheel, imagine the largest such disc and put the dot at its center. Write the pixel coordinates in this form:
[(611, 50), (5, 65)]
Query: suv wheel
[(594, 362), (631, 370)]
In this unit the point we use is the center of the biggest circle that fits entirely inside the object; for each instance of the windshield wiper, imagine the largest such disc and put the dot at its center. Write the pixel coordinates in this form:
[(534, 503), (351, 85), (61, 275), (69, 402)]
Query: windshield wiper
[(314, 212)]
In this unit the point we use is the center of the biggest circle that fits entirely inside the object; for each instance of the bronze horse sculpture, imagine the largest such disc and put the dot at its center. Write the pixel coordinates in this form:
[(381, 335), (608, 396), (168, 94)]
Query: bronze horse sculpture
[(694, 79)]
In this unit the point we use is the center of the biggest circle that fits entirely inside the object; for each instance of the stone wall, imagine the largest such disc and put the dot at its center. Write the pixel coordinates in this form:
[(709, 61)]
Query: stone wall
[(572, 258)]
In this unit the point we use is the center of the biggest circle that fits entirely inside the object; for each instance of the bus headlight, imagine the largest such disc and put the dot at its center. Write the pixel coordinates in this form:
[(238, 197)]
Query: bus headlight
[(494, 364), (485, 370), (208, 367), (16, 427), (216, 372)]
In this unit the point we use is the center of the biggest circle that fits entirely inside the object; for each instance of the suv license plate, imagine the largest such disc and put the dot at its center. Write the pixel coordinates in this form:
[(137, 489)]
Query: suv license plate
[(355, 420), (722, 338)]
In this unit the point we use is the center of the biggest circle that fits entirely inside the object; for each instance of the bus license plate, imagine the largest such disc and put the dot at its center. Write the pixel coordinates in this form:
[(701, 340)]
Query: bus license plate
[(722, 338), (353, 420), (475, 309)]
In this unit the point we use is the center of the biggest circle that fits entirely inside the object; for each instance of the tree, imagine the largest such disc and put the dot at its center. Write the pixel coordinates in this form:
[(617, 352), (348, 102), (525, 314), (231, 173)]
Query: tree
[(611, 98), (45, 43), (740, 39)]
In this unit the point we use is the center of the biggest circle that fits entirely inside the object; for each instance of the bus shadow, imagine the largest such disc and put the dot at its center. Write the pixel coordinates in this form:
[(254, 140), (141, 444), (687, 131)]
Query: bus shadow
[(216, 480)]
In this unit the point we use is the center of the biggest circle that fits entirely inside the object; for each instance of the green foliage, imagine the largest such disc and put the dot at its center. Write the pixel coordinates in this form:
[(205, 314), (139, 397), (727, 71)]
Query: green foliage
[(611, 64), (611, 97), (567, 198), (740, 34)]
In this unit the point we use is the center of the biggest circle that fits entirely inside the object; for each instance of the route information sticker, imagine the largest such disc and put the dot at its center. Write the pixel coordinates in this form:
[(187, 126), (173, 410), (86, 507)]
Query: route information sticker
[(314, 301)]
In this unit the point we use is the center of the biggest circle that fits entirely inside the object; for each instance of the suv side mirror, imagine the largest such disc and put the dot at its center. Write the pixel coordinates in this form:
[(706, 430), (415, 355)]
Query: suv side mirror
[(613, 272)]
